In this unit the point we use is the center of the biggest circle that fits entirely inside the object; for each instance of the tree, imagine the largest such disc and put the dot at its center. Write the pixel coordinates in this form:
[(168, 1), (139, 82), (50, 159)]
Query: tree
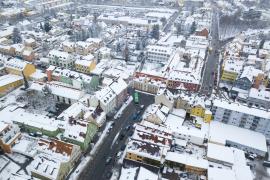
[(155, 32), (178, 29), (126, 53), (16, 36), (193, 28), (47, 26), (163, 20), (118, 47)]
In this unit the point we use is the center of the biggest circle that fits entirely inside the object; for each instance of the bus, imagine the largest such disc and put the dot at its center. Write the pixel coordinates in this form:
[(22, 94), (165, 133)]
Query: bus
[(136, 97)]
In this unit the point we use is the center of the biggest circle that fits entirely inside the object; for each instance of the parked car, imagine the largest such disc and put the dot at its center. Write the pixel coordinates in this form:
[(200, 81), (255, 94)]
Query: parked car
[(121, 137), (108, 160), (108, 175)]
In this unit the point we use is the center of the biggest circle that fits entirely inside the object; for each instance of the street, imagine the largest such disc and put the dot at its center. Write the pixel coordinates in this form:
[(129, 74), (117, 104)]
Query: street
[(211, 64), (98, 168)]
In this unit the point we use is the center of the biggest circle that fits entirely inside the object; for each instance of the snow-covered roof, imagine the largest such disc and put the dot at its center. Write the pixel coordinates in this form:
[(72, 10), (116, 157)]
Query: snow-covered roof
[(145, 174), (220, 153), (215, 173), (15, 63), (58, 90), (234, 106), (221, 133), (105, 95), (118, 86), (259, 94), (85, 63), (187, 160), (19, 115), (151, 135), (8, 79)]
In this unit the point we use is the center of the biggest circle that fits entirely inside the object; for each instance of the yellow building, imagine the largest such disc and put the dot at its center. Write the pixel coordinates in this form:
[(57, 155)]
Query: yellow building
[(207, 116), (200, 111), (17, 67), (229, 76), (9, 82), (231, 68), (197, 110), (85, 66)]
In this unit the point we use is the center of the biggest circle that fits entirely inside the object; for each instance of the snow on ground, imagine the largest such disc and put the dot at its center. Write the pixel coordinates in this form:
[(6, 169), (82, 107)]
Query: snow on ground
[(85, 161)]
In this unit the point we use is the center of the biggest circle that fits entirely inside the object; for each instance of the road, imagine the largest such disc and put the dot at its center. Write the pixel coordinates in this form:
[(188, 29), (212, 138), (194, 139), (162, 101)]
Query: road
[(97, 168), (211, 65)]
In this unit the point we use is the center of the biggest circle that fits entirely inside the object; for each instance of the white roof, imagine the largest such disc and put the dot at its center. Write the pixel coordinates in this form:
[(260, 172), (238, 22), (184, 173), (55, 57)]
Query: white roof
[(259, 94), (15, 63), (35, 120), (220, 174), (128, 173), (86, 63), (118, 86), (220, 153), (58, 90), (187, 159), (145, 174), (241, 108), (9, 78), (220, 133)]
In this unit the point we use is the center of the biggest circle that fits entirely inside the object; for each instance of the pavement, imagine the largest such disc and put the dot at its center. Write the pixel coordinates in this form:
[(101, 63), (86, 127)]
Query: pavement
[(97, 167)]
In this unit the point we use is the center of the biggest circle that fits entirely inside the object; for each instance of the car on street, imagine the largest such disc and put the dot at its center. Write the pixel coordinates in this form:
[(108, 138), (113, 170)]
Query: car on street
[(121, 137), (108, 160), (119, 154), (128, 128), (123, 147), (108, 175)]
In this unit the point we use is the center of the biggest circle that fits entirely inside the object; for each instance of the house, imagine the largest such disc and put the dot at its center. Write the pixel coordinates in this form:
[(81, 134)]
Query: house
[(30, 42), (147, 83), (72, 78), (9, 133), (164, 96), (119, 87), (18, 67), (54, 160), (9, 82), (68, 47), (156, 113), (79, 132), (148, 145), (61, 59), (187, 163), (28, 55), (247, 78), (30, 122), (85, 66), (158, 54), (69, 96), (106, 99), (231, 69), (84, 48)]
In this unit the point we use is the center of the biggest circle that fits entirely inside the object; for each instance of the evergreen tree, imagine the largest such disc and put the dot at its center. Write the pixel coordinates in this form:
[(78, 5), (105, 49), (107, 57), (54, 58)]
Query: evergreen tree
[(47, 26), (16, 36), (155, 32), (193, 28)]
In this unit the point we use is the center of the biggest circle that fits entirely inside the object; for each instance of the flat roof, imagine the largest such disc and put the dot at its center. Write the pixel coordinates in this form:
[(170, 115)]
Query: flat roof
[(187, 159), (220, 133), (220, 153)]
